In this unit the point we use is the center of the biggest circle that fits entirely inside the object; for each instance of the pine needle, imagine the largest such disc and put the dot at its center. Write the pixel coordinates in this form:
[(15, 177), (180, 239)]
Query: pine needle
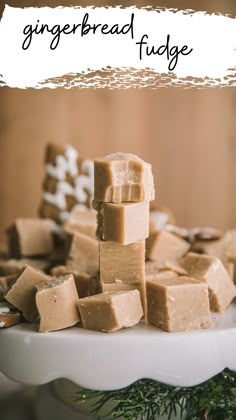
[(148, 400)]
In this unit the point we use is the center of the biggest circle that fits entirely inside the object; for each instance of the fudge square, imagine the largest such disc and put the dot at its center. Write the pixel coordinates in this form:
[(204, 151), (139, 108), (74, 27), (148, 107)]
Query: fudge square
[(56, 300), (178, 303), (123, 223), (30, 237), (109, 311), (211, 270), (22, 293), (123, 287), (165, 246), (83, 254), (122, 263), (122, 177)]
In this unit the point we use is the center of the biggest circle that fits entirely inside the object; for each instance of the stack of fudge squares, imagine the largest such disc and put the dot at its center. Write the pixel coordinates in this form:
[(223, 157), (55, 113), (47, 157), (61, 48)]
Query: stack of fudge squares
[(123, 189), (109, 267)]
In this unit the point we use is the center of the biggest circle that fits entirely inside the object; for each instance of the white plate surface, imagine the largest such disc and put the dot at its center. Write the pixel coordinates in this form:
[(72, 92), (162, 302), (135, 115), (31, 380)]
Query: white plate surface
[(111, 361)]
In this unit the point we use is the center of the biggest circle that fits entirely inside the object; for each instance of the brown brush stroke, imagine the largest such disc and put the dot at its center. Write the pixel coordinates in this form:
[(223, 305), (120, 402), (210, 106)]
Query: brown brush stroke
[(226, 7), (124, 78)]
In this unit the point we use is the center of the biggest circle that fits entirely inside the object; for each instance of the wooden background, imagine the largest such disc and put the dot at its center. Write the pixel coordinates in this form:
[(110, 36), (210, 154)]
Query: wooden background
[(189, 136)]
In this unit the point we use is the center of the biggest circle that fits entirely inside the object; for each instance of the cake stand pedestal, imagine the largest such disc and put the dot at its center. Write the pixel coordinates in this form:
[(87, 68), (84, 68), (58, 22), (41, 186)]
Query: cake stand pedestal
[(111, 361)]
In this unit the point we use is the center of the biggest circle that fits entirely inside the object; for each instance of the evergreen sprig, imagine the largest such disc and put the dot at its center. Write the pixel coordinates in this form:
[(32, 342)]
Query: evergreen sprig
[(147, 400)]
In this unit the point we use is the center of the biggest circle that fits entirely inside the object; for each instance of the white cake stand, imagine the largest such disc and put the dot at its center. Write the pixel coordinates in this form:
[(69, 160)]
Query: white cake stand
[(111, 361)]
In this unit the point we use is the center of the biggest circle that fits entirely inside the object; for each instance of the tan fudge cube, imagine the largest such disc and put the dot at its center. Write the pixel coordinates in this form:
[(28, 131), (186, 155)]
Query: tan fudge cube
[(124, 287), (122, 177), (82, 280), (83, 221), (30, 237), (178, 303), (122, 263), (211, 270), (123, 223), (83, 254), (163, 247), (22, 293), (111, 311), (56, 300), (96, 287)]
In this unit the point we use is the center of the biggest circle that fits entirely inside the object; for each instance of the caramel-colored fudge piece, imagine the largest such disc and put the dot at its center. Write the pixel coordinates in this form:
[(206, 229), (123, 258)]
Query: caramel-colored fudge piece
[(124, 287), (22, 293), (123, 223), (96, 287), (178, 304), (122, 177), (111, 311), (122, 263), (82, 280), (13, 266), (165, 246), (211, 270), (83, 221), (30, 237), (83, 254), (56, 300)]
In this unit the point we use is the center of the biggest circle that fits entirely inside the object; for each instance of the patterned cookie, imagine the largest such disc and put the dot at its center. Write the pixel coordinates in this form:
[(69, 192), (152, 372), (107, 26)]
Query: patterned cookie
[(69, 181)]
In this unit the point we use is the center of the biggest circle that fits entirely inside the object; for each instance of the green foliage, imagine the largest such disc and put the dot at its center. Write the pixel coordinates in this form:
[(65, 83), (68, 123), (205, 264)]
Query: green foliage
[(148, 400)]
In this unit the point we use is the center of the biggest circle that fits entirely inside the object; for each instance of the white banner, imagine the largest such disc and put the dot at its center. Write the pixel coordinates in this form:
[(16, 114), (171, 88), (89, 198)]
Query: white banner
[(115, 47)]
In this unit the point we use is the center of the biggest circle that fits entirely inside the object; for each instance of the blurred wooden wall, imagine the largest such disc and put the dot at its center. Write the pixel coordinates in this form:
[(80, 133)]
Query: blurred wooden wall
[(189, 136)]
